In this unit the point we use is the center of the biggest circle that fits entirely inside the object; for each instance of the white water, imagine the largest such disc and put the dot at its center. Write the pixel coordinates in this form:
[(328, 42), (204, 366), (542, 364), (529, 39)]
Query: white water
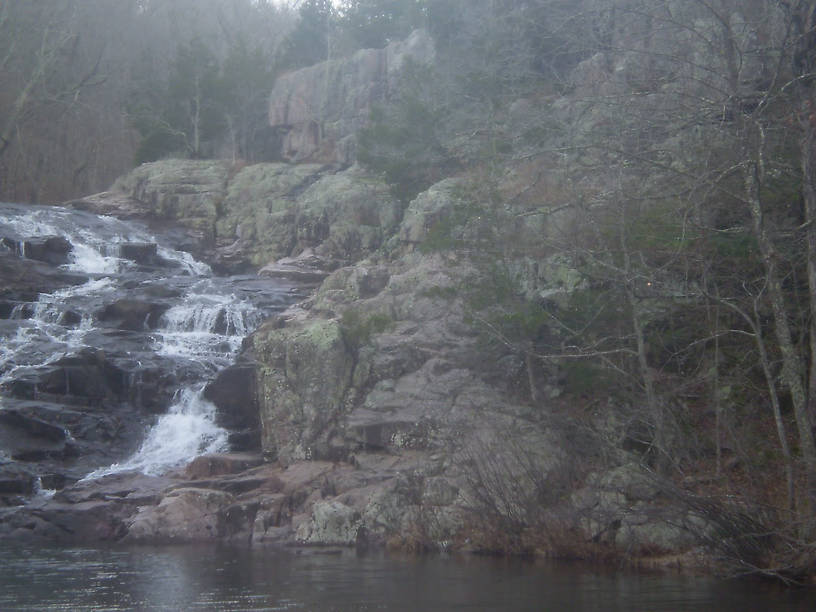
[(96, 249), (186, 431), (205, 327), (44, 328)]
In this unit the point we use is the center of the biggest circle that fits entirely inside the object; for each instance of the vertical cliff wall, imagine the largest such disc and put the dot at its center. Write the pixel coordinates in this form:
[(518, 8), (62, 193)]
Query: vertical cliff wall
[(320, 108)]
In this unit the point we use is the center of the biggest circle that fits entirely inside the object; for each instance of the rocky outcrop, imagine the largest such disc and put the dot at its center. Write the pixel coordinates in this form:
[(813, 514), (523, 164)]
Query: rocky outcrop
[(272, 211), (319, 109), (240, 218), (382, 366), (383, 414)]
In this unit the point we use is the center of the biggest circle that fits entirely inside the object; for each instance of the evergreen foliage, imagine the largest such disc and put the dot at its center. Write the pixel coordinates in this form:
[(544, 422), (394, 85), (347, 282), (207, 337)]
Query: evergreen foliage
[(203, 102), (372, 24), (308, 42), (404, 140)]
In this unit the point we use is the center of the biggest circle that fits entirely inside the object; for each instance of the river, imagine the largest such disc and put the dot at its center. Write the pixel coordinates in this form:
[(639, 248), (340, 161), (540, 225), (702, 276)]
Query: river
[(219, 578)]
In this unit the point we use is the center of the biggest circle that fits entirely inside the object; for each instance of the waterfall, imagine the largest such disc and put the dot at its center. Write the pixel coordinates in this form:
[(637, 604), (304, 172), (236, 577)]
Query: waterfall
[(145, 312), (187, 430)]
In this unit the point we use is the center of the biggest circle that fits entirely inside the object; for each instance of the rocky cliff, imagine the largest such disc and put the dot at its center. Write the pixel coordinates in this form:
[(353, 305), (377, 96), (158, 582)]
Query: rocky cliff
[(319, 109), (387, 415), (242, 217)]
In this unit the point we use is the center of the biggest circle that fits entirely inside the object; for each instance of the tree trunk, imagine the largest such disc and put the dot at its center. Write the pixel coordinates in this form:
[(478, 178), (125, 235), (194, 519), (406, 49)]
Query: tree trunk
[(793, 367), (808, 153)]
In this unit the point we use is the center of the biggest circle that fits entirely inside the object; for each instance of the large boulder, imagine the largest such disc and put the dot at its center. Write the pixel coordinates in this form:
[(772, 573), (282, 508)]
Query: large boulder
[(180, 198), (188, 191), (303, 375), (183, 515), (234, 393), (53, 250), (272, 211)]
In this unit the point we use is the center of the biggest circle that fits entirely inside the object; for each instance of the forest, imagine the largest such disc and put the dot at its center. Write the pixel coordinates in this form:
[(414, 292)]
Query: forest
[(91, 88), (654, 159)]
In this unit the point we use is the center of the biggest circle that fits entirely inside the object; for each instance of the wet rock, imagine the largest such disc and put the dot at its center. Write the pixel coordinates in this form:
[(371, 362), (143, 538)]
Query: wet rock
[(32, 426), (52, 250), (70, 318), (88, 511), (133, 487), (161, 290), (141, 252), (207, 466), (25, 279), (67, 440), (75, 382), (15, 481), (183, 515), (56, 523), (233, 391), (132, 314), (15, 310), (53, 481)]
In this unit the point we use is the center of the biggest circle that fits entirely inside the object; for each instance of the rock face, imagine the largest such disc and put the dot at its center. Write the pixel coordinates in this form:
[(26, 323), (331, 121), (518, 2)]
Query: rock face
[(320, 108), (382, 414), (277, 210), (381, 364), (179, 189), (243, 218)]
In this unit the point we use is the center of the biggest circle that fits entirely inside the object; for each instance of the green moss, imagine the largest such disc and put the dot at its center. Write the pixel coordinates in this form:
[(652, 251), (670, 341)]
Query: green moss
[(323, 334), (357, 329), (444, 293), (440, 237), (497, 288)]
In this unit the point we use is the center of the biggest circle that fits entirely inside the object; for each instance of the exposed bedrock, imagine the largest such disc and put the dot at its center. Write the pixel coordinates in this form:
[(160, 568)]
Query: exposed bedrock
[(241, 218), (319, 109), (376, 412)]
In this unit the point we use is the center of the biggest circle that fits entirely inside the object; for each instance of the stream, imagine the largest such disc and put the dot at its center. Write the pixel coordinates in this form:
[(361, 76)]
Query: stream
[(108, 337)]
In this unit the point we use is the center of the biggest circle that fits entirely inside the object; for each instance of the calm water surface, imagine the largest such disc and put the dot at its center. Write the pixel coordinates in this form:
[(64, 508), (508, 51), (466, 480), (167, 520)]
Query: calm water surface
[(209, 578)]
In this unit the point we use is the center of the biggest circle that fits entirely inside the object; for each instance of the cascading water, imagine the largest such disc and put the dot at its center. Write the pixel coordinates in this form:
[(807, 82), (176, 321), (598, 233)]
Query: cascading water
[(186, 431), (132, 326)]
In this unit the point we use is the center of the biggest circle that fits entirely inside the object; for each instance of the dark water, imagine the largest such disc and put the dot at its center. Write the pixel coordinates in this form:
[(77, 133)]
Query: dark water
[(209, 578)]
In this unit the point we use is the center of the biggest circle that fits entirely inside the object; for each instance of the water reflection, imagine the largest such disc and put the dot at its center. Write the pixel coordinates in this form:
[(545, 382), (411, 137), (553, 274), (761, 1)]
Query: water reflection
[(211, 578)]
